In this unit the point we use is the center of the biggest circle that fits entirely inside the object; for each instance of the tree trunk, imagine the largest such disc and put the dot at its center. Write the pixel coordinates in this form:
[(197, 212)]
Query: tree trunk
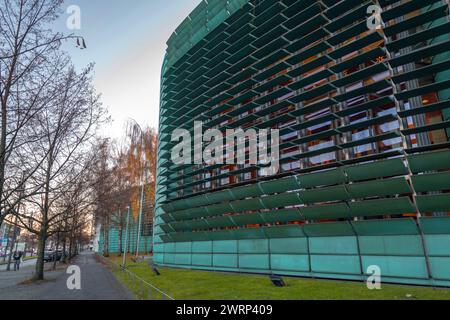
[(56, 251), (63, 259), (39, 275), (70, 246), (11, 248), (8, 235)]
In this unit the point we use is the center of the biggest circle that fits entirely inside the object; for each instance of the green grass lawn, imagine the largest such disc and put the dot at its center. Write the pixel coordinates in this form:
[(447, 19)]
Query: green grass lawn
[(200, 285)]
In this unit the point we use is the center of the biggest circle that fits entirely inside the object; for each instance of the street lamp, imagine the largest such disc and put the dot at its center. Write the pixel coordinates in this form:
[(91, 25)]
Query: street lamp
[(140, 218), (142, 192)]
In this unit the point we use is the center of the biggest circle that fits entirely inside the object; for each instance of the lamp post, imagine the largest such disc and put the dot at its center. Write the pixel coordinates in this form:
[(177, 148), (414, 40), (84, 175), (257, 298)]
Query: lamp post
[(140, 218), (141, 204), (126, 239)]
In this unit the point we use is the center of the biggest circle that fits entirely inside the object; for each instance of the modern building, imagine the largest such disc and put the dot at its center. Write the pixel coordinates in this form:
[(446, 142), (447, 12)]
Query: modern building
[(363, 111), (129, 241)]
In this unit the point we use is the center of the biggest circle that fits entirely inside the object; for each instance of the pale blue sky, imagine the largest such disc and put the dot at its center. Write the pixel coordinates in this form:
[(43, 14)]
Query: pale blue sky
[(126, 40)]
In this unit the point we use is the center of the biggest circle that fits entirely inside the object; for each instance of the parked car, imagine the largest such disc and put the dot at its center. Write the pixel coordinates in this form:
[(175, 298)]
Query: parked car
[(52, 255), (59, 255), (49, 256)]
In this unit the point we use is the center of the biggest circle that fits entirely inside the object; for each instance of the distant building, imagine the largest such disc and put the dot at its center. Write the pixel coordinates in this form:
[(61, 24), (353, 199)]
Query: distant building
[(6, 235), (146, 231)]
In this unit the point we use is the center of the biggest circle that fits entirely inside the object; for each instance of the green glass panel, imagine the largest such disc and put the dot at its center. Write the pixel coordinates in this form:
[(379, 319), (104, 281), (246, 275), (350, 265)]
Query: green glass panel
[(165, 238), (253, 246), (166, 228), (334, 211), (179, 226), (246, 205), (196, 212), (204, 260), (431, 182), (333, 245), (289, 246), (183, 247), (220, 222), (246, 219), (378, 169), (335, 264), (181, 237), (226, 246), (438, 244), (398, 245), (218, 209), (324, 194), (225, 260), (439, 267), (221, 196), (360, 75), (324, 178), (254, 261), (286, 231), (286, 215), (280, 185), (435, 225), (285, 262), (405, 226), (281, 200), (177, 205), (328, 229), (202, 247), (197, 201), (379, 188), (252, 233), (219, 235), (434, 203), (402, 267), (381, 207), (166, 217)]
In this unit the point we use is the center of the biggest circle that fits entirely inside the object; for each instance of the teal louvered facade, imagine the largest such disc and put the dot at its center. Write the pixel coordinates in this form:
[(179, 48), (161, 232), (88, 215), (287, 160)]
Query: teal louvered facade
[(364, 119), (130, 242)]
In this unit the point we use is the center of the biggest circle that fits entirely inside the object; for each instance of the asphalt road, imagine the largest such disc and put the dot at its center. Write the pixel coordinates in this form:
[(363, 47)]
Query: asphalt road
[(97, 283)]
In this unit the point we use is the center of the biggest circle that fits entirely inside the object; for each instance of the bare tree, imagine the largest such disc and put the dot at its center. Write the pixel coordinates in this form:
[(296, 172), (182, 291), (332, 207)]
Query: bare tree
[(29, 60), (69, 126)]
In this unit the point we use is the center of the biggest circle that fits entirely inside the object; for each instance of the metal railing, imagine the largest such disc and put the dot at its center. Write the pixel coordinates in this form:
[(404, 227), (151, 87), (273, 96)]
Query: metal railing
[(142, 289)]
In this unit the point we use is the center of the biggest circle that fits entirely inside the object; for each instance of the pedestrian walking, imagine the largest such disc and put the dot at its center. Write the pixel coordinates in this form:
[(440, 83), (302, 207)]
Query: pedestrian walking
[(17, 259)]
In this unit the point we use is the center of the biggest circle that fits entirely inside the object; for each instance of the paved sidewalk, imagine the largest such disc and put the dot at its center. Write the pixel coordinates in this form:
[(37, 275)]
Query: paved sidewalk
[(24, 264), (97, 283), (12, 278)]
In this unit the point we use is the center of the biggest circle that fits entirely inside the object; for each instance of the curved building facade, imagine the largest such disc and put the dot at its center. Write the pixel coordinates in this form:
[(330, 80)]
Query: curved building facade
[(363, 114)]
